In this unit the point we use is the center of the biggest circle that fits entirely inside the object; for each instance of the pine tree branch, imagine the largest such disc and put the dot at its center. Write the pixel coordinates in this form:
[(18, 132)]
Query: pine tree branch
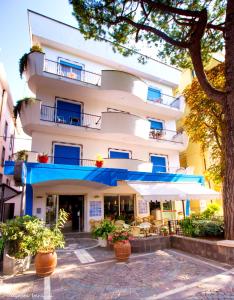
[(148, 28)]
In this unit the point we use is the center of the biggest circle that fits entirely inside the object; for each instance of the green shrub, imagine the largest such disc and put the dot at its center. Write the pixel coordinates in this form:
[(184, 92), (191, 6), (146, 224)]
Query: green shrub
[(1, 246), (211, 211), (202, 227), (19, 235), (104, 229)]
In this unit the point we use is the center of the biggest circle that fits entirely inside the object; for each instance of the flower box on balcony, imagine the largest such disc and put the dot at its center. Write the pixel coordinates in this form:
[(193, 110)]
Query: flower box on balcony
[(43, 158)]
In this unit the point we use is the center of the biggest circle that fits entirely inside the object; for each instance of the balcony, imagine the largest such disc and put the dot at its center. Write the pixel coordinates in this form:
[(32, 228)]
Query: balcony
[(121, 123), (112, 86), (68, 117), (112, 163), (57, 68), (168, 136)]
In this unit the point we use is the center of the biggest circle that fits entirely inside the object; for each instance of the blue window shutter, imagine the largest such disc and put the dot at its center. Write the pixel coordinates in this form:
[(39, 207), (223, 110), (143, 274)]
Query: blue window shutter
[(153, 94), (156, 125), (159, 163), (118, 154), (68, 67), (68, 113), (71, 65), (67, 155)]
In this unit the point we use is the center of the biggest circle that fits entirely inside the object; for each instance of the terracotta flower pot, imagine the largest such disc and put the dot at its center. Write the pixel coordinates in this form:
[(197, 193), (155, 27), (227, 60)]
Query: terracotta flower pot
[(43, 159), (122, 250), (99, 163), (45, 263)]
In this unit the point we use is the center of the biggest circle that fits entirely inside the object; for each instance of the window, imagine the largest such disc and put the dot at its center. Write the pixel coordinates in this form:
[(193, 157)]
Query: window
[(115, 153), (68, 112), (159, 163), (119, 207), (5, 131), (11, 144), (67, 154), (71, 69), (3, 156), (157, 125), (154, 94)]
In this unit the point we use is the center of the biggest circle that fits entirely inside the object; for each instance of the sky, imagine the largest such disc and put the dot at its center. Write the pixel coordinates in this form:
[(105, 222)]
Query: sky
[(14, 34)]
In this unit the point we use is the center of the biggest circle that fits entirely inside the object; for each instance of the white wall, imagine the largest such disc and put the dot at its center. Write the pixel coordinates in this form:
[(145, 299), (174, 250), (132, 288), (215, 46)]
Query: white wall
[(43, 143), (69, 38)]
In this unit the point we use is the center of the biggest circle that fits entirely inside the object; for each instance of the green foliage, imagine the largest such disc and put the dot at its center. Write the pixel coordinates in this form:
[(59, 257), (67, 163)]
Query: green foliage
[(118, 21), (104, 229), (49, 239), (24, 59), (20, 235), (28, 235), (23, 64), (211, 211), (19, 104), (1, 246), (205, 128), (119, 235), (21, 155), (198, 226)]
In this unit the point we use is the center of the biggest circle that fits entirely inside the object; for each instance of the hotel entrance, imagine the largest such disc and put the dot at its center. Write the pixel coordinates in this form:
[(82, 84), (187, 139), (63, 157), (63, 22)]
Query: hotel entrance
[(74, 205)]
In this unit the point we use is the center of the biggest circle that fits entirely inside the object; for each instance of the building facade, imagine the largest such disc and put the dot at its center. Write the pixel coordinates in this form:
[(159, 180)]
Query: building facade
[(92, 103)]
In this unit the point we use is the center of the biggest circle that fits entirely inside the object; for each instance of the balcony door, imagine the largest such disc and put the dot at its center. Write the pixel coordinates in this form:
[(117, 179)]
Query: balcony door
[(66, 154), (68, 112)]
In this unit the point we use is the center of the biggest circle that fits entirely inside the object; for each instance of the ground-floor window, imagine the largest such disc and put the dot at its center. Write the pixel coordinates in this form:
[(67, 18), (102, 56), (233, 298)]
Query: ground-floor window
[(119, 207)]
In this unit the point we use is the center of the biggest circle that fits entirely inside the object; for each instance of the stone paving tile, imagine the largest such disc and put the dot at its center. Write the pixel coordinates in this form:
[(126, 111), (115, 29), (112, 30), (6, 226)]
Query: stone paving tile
[(142, 277)]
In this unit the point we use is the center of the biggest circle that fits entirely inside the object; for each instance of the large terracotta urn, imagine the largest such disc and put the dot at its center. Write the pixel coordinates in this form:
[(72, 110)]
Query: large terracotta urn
[(122, 250), (45, 263)]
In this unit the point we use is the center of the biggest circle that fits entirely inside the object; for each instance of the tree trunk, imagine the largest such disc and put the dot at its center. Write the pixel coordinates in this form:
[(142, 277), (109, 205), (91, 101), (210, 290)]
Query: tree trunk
[(228, 130)]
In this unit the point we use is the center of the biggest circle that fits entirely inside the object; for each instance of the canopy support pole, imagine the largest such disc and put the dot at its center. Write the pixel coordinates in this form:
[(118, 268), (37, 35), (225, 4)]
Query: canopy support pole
[(183, 208)]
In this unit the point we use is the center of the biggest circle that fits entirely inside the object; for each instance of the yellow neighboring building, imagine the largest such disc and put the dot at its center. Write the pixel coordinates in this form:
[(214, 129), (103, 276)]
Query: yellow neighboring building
[(193, 156)]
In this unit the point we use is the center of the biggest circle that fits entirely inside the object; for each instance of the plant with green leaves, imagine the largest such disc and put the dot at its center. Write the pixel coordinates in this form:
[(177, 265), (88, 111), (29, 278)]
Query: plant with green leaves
[(24, 59), (103, 229), (21, 155), (185, 33), (21, 102), (20, 235), (1, 246), (212, 211), (206, 128), (49, 239)]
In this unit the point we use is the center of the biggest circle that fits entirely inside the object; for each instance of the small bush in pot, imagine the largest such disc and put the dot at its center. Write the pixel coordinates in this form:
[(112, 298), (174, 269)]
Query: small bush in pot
[(120, 239), (48, 240), (102, 231), (19, 237)]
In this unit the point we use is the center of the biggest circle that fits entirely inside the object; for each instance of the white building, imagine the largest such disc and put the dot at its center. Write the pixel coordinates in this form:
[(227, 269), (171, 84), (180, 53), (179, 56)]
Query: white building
[(92, 101)]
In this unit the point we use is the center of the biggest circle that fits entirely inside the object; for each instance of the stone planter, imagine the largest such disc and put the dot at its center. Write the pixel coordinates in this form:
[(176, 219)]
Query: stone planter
[(122, 250), (102, 242), (12, 265)]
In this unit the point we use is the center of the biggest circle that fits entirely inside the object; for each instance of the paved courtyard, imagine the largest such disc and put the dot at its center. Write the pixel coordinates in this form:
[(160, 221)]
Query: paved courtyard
[(86, 271)]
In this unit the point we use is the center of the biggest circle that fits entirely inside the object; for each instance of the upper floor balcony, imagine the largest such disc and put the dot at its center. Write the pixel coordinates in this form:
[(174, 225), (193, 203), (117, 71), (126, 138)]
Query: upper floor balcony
[(109, 125), (110, 86), (68, 158)]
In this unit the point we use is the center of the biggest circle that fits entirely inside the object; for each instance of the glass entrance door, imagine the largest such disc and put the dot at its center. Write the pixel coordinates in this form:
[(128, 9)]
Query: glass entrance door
[(51, 209), (74, 205)]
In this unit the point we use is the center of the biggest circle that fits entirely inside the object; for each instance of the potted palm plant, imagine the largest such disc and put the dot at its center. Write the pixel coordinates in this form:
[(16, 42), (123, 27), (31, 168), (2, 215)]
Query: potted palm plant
[(120, 239), (102, 231), (48, 240)]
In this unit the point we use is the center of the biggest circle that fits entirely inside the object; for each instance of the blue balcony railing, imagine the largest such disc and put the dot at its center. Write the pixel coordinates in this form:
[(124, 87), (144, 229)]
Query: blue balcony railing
[(69, 117)]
